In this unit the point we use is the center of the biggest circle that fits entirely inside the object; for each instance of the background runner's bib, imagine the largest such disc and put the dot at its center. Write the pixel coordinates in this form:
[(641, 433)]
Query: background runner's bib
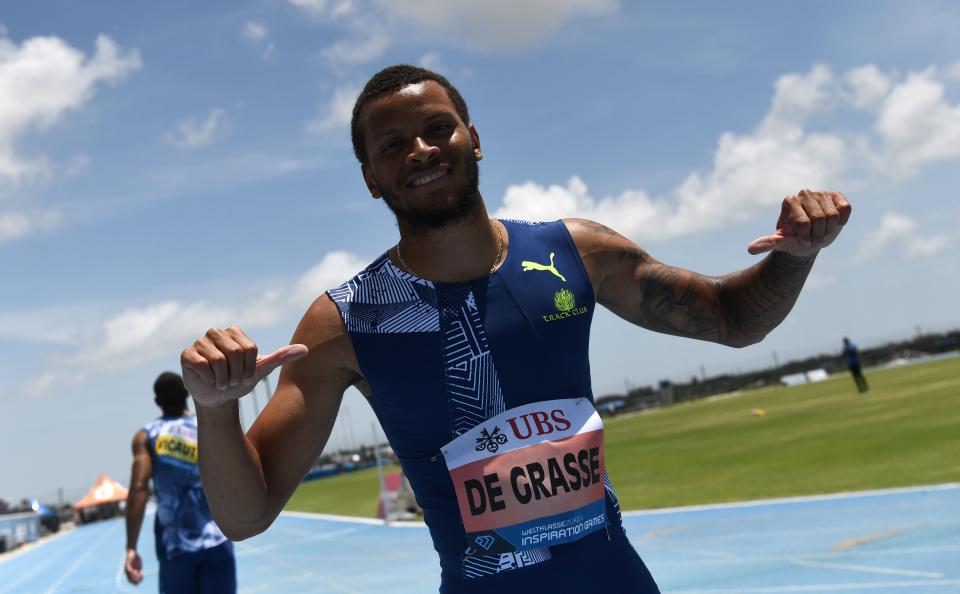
[(530, 476)]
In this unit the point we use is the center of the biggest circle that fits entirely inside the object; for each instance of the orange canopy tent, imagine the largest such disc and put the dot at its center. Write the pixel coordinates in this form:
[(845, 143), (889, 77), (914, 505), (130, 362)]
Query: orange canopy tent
[(105, 490)]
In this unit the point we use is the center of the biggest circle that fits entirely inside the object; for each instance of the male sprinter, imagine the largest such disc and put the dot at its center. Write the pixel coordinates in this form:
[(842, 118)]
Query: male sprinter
[(195, 557), (447, 334)]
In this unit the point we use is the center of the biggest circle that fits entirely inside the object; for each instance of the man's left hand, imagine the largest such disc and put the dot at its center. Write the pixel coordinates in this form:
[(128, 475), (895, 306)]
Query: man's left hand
[(809, 221)]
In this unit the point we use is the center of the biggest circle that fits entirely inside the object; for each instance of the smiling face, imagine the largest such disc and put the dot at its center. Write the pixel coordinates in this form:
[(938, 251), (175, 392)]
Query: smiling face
[(421, 157)]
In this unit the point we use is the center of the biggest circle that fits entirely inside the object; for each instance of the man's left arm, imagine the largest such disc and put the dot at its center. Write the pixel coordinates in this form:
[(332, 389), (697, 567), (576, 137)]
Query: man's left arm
[(737, 309)]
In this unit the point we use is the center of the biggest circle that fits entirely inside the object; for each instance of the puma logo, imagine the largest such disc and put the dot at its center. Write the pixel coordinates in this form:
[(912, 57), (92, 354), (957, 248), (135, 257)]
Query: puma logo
[(528, 266)]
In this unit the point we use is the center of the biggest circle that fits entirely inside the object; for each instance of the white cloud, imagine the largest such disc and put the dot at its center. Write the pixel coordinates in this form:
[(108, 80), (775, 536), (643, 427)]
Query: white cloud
[(922, 247), (869, 86), (337, 112), (193, 134), (492, 25), (343, 8), (900, 232), (753, 172), (77, 164), (952, 72), (138, 335), (40, 80), (46, 325), (751, 175), (254, 32), (257, 35), (797, 96), (44, 383), (350, 52), (818, 281), (313, 7), (14, 225), (495, 24), (918, 124), (431, 61)]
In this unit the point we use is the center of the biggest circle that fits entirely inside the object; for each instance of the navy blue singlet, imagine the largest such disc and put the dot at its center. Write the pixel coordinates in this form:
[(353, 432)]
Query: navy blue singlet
[(443, 357)]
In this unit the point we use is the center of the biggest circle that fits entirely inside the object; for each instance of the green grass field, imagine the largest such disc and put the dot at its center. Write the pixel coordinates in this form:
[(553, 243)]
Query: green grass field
[(816, 438)]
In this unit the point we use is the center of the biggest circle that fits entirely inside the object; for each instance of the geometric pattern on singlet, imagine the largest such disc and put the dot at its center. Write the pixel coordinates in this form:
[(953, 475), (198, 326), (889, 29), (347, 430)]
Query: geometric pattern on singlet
[(384, 299), (473, 396)]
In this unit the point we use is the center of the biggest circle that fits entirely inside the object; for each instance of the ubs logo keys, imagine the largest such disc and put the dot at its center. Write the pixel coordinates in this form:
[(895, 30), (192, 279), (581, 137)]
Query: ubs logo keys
[(490, 441)]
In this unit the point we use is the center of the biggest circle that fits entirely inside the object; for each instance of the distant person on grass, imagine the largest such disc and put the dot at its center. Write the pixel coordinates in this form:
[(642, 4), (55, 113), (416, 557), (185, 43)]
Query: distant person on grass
[(195, 557), (852, 357), (469, 338)]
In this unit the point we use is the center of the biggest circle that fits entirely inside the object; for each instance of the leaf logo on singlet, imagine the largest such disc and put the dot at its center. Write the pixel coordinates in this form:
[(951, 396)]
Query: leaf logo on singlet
[(564, 300), (565, 303), (529, 265), (491, 441)]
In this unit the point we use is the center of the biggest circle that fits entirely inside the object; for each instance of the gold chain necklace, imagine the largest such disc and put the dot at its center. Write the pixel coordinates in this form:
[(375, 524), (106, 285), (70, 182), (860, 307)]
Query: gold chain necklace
[(496, 259)]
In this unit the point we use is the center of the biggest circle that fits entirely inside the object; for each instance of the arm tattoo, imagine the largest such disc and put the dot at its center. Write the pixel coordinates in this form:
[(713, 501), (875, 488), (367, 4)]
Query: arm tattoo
[(677, 301), (738, 309), (760, 297), (669, 300), (595, 227)]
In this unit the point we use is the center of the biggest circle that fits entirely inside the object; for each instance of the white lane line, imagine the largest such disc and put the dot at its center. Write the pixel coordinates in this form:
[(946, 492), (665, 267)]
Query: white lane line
[(257, 550), (862, 540), (663, 532), (79, 562), (870, 569), (707, 553), (353, 520), (663, 557), (869, 586), (789, 500), (67, 550), (312, 578)]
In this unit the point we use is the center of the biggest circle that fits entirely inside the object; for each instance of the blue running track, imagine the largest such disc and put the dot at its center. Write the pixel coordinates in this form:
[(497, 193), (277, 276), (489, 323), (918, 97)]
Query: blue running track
[(904, 541)]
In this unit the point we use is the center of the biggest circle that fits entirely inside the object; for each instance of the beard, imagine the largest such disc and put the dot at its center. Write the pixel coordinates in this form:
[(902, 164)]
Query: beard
[(465, 202)]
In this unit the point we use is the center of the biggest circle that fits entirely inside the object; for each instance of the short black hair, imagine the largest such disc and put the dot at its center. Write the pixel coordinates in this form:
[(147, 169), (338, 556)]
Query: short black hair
[(390, 80), (170, 392)]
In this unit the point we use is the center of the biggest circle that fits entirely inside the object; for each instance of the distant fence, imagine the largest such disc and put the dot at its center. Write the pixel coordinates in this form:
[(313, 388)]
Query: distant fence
[(16, 529)]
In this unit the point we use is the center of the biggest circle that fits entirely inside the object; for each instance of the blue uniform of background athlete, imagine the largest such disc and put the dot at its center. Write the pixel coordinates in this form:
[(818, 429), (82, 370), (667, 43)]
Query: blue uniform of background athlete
[(195, 557), (852, 357)]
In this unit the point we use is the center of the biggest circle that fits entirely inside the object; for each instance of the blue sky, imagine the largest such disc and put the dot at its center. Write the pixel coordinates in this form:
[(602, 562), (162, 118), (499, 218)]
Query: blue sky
[(166, 167)]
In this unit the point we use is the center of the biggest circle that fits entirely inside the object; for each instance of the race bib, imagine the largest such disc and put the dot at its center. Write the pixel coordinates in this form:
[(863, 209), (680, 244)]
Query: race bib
[(175, 446), (530, 477)]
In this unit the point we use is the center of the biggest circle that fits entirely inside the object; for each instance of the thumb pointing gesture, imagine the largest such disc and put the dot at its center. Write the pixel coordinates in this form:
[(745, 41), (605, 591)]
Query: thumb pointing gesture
[(223, 365), (768, 242), (287, 354), (809, 221)]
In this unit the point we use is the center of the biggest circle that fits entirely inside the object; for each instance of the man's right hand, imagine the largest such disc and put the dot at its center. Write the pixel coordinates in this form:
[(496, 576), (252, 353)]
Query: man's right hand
[(223, 365), (133, 567)]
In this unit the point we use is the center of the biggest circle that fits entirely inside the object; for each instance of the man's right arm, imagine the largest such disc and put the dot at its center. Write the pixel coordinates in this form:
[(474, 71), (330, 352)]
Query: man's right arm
[(249, 478), (140, 474)]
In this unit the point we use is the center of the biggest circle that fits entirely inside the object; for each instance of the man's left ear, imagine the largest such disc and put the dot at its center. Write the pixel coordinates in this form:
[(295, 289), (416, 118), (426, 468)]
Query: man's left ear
[(475, 139)]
